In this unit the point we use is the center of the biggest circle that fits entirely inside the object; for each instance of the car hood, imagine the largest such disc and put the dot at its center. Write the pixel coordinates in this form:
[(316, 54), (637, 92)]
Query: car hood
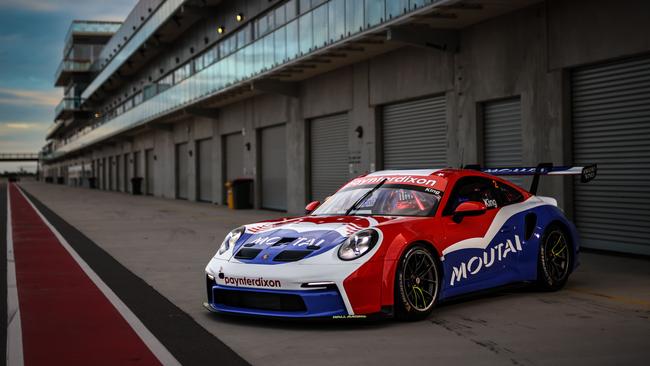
[(293, 239)]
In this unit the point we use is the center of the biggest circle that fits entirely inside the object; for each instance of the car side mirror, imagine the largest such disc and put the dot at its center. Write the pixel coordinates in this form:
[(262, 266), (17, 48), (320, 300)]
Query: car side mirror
[(311, 206), (469, 208)]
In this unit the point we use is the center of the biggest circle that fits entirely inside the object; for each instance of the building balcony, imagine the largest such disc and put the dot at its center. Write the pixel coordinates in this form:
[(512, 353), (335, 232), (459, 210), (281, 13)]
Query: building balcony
[(68, 68), (333, 34), (160, 17), (68, 107)]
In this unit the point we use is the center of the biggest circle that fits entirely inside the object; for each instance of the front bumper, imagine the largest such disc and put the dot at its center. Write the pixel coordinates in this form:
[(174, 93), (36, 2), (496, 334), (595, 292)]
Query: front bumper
[(316, 303)]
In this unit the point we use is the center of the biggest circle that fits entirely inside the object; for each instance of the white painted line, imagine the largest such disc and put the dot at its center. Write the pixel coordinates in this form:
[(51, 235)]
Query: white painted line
[(14, 356), (157, 348)]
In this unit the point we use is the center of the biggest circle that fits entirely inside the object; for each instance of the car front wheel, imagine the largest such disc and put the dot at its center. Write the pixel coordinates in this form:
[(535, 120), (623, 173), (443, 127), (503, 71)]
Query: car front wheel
[(417, 284)]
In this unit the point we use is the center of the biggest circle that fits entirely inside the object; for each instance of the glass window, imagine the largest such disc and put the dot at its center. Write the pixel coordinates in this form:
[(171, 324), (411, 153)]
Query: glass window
[(353, 17), (419, 3), (292, 40), (395, 8), (290, 9), (320, 20), (389, 200), (269, 52), (374, 12), (336, 14), (280, 16), (305, 5), (475, 189), (506, 194), (243, 36), (280, 40), (305, 26)]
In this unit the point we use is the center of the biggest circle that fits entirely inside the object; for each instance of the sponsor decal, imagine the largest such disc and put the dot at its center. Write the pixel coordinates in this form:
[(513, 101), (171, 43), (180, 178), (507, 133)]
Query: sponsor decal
[(349, 316), (297, 242), (404, 179), (490, 256), (245, 281)]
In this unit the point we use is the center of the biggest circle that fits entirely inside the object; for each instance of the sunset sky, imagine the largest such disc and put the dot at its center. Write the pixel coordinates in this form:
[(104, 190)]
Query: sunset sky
[(32, 34)]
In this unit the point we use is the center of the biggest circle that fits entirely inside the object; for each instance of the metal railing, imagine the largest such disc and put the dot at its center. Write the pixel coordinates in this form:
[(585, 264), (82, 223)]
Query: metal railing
[(161, 15), (89, 27), (19, 156), (72, 66), (68, 104)]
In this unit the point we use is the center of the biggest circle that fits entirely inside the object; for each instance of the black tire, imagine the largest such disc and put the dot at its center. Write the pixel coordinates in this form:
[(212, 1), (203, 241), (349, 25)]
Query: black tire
[(417, 283), (555, 259)]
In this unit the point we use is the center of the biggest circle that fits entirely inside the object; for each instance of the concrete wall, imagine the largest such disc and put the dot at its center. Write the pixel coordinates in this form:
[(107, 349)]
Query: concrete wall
[(528, 53)]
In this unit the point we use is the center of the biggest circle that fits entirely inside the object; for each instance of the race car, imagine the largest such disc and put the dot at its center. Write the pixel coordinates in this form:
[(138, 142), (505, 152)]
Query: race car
[(396, 243)]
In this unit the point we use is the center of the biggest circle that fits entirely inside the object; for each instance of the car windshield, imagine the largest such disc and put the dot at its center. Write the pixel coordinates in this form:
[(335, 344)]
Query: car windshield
[(387, 200)]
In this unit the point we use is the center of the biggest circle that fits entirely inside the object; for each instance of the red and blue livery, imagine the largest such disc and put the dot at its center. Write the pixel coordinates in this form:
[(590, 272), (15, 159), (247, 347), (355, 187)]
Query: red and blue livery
[(396, 243)]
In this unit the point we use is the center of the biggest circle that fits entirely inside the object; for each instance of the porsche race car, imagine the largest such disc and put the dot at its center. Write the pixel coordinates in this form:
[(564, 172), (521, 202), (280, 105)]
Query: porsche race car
[(397, 242)]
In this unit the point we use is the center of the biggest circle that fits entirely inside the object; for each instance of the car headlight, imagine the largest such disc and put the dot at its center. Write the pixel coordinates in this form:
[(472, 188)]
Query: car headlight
[(358, 244), (231, 239)]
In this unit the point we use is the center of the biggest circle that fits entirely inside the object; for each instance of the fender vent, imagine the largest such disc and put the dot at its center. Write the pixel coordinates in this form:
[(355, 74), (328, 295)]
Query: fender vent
[(247, 253), (531, 222), (291, 255)]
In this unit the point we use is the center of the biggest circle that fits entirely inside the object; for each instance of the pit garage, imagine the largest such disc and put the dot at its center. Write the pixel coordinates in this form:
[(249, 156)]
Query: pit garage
[(328, 155), (182, 170), (204, 164), (611, 126), (273, 167), (414, 134)]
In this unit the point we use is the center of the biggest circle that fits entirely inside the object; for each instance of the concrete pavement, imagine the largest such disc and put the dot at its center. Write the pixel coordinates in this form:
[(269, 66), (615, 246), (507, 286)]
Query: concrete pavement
[(601, 318)]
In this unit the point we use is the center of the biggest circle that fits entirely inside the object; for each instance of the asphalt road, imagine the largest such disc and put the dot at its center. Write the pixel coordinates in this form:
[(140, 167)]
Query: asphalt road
[(601, 318)]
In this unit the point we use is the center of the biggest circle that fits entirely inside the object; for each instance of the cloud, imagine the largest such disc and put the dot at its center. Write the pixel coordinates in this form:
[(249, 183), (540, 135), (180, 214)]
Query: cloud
[(24, 97), (16, 128), (99, 10)]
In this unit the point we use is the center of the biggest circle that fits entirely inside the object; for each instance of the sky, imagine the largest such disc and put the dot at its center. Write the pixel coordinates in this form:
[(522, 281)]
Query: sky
[(32, 34)]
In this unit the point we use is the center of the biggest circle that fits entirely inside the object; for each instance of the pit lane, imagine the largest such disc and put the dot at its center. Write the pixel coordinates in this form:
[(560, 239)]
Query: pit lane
[(602, 317)]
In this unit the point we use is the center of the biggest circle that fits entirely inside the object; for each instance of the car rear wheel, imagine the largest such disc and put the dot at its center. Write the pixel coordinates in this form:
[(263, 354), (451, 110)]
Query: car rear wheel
[(555, 259), (417, 284)]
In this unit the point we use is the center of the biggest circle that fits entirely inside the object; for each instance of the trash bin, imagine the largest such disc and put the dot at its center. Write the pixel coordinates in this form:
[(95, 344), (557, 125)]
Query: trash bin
[(239, 193), (49, 180), (136, 185), (60, 180), (92, 183)]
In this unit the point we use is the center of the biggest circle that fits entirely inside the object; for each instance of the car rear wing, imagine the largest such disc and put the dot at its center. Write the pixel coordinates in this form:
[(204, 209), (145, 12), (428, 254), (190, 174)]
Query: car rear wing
[(586, 173)]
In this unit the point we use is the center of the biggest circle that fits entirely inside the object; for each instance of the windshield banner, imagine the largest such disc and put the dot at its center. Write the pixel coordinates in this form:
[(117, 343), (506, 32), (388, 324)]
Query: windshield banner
[(436, 182)]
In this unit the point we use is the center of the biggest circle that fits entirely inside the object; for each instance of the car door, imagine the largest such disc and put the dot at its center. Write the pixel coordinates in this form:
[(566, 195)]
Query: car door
[(477, 252)]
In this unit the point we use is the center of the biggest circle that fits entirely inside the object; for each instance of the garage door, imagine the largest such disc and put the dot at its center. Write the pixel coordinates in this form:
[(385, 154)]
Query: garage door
[(182, 170), (611, 127), (502, 135), (329, 155), (273, 156), (149, 171), (415, 134), (127, 173), (204, 157), (118, 173), (111, 173), (104, 173)]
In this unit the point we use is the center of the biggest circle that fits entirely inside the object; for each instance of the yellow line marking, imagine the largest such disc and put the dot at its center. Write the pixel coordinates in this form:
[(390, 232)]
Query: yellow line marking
[(621, 299)]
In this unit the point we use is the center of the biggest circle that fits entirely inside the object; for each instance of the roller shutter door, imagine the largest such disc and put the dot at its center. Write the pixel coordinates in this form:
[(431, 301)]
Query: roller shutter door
[(234, 156), (182, 170), (127, 174), (118, 173), (502, 135), (273, 154), (329, 155), (415, 134), (149, 171), (611, 127), (205, 169), (111, 173)]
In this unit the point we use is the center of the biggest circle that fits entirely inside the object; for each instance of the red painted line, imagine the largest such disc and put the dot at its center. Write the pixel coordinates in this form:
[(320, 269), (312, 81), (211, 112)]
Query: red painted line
[(66, 319)]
